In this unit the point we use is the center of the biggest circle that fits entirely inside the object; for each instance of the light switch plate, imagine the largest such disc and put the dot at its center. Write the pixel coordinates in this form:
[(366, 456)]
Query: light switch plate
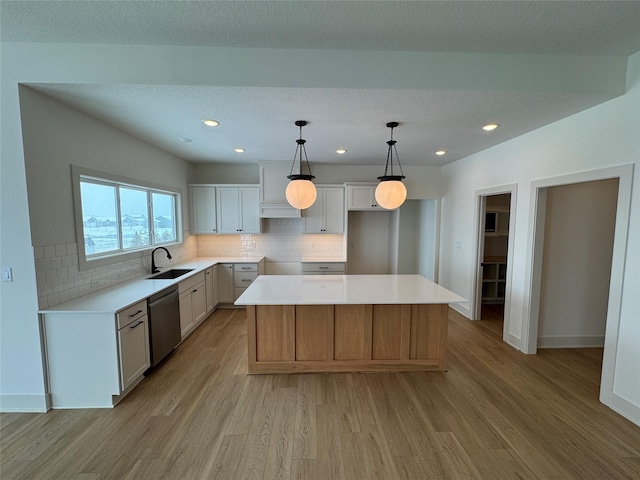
[(7, 275)]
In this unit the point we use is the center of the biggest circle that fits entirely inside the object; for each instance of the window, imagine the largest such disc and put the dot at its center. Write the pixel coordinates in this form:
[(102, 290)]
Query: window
[(120, 216)]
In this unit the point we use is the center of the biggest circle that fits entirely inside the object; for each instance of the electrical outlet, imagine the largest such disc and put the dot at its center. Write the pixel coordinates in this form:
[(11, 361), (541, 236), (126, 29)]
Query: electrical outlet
[(459, 245), (95, 283)]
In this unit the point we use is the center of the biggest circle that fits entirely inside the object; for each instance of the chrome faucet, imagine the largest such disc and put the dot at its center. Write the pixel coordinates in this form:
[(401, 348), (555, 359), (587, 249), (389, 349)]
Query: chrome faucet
[(154, 269)]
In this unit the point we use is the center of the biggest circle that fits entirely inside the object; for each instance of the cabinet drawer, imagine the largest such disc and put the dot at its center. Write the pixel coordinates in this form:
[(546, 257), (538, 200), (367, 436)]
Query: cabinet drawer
[(245, 267), (244, 279), (134, 312), (322, 267), (191, 282)]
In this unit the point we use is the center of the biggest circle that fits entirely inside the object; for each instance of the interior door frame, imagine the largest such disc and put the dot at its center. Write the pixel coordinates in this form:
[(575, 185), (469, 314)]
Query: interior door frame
[(476, 289), (624, 174)]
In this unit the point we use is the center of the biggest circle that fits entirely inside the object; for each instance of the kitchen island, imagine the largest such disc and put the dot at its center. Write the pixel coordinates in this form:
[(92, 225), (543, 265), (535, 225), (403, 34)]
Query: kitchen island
[(346, 323)]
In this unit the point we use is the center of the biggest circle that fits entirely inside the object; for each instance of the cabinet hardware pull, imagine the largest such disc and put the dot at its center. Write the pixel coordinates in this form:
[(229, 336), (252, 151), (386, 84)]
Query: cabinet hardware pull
[(323, 268), (136, 325), (134, 314), (246, 280), (194, 291), (246, 268)]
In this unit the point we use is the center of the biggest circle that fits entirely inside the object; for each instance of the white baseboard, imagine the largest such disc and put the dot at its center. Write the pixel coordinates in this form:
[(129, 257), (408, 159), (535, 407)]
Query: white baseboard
[(461, 309), (571, 341), (513, 341), (622, 406), (24, 403)]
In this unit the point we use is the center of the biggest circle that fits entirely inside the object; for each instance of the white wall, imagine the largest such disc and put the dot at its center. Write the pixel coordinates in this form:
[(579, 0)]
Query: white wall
[(408, 237), (428, 233), (56, 137), (603, 136), (576, 265)]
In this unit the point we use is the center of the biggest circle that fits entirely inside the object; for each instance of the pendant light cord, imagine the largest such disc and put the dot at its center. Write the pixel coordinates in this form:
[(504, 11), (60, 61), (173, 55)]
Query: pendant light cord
[(301, 149), (392, 148)]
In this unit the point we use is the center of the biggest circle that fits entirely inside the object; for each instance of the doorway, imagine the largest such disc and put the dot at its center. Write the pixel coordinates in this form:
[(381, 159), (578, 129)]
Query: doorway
[(577, 248), (494, 256), (534, 264), (491, 295)]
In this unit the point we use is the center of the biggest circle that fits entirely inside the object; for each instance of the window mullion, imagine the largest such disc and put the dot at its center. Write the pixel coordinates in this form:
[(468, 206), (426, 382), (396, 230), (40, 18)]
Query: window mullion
[(119, 219), (152, 231)]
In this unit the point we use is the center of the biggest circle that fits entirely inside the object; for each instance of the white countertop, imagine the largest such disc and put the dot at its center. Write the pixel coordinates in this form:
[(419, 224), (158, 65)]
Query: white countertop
[(344, 289), (123, 295)]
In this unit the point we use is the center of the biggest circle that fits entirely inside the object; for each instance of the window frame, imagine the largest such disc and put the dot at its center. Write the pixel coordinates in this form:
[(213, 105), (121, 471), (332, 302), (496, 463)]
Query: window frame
[(85, 262)]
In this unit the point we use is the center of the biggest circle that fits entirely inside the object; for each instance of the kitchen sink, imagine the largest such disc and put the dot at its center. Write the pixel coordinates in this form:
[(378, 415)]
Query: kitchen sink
[(170, 274)]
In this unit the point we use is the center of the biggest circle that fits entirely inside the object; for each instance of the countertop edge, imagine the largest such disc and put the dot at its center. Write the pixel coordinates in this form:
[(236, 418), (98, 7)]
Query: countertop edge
[(114, 299)]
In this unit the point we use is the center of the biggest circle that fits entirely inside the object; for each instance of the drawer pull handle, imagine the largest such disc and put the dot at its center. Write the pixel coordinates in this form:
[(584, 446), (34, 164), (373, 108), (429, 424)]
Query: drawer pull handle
[(323, 268), (134, 314), (246, 280), (246, 268), (136, 325)]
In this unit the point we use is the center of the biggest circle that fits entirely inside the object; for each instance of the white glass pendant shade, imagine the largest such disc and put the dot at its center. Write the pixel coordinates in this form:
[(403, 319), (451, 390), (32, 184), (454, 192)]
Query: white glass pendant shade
[(390, 194), (301, 193)]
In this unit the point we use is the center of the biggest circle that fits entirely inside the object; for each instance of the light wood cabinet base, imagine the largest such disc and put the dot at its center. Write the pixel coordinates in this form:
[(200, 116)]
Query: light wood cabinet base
[(346, 338)]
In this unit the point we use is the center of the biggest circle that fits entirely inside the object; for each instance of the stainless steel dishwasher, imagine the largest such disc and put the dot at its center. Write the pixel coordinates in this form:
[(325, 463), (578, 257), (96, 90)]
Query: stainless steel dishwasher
[(164, 323)]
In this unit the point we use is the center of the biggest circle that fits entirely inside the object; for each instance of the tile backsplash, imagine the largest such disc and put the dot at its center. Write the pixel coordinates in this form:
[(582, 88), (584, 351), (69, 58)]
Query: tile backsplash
[(59, 279), (281, 240)]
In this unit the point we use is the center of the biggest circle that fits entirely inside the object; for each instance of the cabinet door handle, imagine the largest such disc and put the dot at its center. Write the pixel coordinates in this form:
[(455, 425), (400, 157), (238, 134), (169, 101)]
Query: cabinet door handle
[(134, 314), (136, 325), (194, 291)]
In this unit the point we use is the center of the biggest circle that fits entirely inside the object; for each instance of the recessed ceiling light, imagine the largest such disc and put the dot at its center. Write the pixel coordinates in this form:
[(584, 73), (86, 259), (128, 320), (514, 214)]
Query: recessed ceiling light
[(341, 151), (211, 123), (490, 127), (185, 140), (238, 150), (441, 152)]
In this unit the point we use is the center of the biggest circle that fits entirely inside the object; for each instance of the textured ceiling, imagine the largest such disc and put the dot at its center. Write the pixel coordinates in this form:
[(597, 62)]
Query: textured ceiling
[(535, 27), (433, 115)]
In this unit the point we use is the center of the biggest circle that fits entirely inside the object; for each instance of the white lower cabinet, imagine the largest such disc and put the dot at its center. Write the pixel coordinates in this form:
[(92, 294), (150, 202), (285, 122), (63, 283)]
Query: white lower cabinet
[(225, 283), (133, 343), (234, 278), (193, 303), (211, 287), (94, 358), (243, 275)]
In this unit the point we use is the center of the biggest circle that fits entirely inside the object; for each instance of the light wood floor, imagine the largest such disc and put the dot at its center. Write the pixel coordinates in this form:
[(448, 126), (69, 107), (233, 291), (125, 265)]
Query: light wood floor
[(496, 414)]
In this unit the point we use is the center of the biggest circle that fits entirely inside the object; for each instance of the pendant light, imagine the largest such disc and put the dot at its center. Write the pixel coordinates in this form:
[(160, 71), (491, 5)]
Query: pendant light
[(301, 192), (391, 192)]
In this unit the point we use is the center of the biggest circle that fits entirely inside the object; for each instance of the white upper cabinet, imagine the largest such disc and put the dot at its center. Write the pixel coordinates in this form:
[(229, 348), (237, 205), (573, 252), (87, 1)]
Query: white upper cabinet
[(237, 208), (326, 215), (273, 184), (362, 197), (203, 209)]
